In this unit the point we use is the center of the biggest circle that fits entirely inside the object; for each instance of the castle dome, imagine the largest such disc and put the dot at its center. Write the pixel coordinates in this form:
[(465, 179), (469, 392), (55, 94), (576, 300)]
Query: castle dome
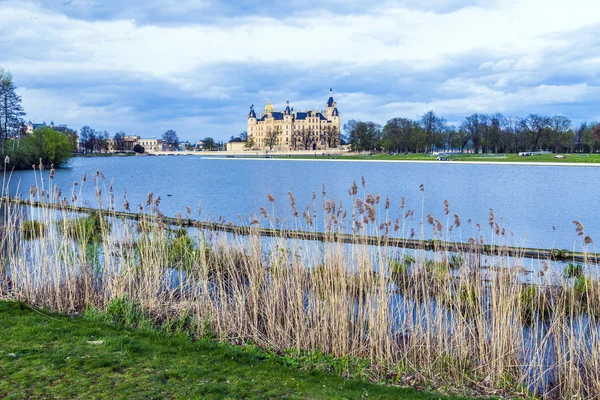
[(269, 108)]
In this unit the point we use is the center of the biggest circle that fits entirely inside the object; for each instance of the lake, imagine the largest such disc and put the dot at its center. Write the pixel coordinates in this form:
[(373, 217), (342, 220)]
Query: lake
[(535, 204)]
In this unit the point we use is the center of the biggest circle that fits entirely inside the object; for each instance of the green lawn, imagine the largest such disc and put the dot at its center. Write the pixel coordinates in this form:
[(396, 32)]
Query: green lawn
[(569, 158), (44, 355)]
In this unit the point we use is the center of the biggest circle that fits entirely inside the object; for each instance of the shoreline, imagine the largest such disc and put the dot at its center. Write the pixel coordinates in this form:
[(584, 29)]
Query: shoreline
[(524, 163)]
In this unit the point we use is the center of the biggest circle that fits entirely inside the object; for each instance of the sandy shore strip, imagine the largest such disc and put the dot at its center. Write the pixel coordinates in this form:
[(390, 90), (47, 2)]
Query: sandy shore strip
[(525, 163)]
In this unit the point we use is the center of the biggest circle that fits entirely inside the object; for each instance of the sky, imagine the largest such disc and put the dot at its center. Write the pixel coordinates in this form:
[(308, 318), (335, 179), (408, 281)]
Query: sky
[(196, 66)]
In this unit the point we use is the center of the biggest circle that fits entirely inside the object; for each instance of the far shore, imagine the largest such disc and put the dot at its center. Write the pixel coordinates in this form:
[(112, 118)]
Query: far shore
[(321, 159), (547, 159)]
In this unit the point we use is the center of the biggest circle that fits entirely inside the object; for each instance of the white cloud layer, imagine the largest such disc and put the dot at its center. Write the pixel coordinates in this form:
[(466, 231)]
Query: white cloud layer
[(396, 60)]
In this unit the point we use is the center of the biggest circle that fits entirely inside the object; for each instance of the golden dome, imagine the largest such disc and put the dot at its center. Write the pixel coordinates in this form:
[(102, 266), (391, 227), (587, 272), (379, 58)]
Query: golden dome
[(269, 107)]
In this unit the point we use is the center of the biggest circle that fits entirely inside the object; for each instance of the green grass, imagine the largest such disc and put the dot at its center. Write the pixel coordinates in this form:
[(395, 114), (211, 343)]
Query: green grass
[(44, 355), (570, 158)]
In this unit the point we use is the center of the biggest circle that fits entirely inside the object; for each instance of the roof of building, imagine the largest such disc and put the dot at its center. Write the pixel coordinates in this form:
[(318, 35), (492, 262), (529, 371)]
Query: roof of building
[(335, 112), (276, 115), (252, 114), (235, 140), (269, 107), (330, 100), (300, 115)]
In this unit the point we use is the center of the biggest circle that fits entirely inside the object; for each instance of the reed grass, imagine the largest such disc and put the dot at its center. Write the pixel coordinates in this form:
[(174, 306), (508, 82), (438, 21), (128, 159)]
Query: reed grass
[(441, 318)]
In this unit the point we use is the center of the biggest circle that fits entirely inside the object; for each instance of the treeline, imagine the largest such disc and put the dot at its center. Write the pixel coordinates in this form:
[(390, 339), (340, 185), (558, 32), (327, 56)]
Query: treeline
[(479, 133), (45, 146)]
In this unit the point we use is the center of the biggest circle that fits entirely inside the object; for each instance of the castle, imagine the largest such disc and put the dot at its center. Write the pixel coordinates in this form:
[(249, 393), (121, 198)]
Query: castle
[(294, 130)]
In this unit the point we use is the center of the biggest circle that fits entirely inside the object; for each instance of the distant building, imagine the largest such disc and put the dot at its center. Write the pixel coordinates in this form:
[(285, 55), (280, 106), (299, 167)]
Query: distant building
[(30, 127), (126, 144), (235, 144), (71, 133), (153, 145), (295, 129)]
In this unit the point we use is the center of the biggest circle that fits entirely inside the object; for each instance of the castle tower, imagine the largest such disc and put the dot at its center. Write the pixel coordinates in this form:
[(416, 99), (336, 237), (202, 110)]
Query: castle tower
[(330, 105), (252, 125)]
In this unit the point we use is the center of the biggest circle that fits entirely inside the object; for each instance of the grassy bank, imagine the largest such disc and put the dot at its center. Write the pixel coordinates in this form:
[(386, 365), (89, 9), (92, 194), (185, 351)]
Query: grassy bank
[(543, 158), (44, 355)]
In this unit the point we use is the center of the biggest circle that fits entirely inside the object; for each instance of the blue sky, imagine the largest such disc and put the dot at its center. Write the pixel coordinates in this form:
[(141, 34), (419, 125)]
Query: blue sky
[(196, 65)]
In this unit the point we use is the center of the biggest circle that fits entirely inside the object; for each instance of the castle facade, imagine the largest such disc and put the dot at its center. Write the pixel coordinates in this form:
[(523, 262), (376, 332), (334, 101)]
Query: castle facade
[(294, 130)]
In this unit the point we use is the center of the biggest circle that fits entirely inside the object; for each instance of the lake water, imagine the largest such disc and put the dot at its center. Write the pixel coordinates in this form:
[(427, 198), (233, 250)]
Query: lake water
[(536, 204)]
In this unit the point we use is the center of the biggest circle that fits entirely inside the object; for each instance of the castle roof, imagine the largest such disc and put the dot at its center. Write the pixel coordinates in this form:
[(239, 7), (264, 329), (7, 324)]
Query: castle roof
[(330, 100), (252, 114), (335, 112), (276, 115), (304, 114)]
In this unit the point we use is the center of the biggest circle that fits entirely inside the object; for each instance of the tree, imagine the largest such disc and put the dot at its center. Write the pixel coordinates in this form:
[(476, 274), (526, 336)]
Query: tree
[(249, 143), (272, 137), (50, 147), (119, 141), (536, 126), (170, 138), (11, 111), (561, 134), (579, 136), (90, 139), (399, 134), (305, 137), (332, 136), (244, 136), (138, 148), (433, 126), (473, 127), (209, 144), (596, 135), (363, 135), (104, 141)]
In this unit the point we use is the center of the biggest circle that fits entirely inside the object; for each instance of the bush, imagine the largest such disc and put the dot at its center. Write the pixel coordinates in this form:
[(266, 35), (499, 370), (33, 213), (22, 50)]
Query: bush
[(573, 271), (85, 229), (45, 144), (31, 230), (138, 148)]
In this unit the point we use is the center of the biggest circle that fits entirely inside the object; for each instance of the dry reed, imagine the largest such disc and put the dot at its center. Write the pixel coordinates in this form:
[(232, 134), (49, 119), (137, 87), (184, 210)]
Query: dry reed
[(436, 318)]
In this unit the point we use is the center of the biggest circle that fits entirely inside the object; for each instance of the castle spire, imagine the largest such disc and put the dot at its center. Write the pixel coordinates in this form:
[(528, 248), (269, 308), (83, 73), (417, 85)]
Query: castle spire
[(330, 102)]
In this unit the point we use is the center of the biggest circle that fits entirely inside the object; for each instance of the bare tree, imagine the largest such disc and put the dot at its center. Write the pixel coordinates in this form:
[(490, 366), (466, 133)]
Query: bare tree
[(434, 127), (272, 137), (561, 134), (305, 137), (170, 138), (119, 141), (536, 127), (332, 136)]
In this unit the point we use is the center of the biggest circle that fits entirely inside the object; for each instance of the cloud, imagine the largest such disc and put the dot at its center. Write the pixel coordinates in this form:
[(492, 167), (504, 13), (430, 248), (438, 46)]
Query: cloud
[(197, 65)]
